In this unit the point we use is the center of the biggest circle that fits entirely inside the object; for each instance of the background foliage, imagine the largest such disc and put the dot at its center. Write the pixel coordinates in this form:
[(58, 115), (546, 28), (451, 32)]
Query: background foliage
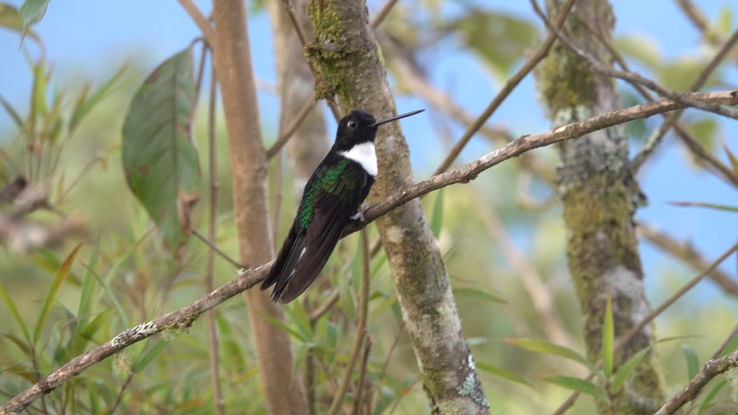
[(107, 267)]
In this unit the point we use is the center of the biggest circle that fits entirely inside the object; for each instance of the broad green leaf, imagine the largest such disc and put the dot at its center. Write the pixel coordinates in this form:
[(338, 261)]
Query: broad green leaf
[(626, 369), (56, 284), (499, 39), (690, 357), (32, 11), (580, 385), (149, 355), (543, 346), (608, 338), (502, 373), (437, 216), (707, 402), (159, 157), (10, 305), (480, 294)]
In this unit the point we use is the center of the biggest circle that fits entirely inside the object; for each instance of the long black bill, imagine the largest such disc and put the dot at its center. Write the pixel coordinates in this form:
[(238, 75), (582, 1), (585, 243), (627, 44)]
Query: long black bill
[(380, 122)]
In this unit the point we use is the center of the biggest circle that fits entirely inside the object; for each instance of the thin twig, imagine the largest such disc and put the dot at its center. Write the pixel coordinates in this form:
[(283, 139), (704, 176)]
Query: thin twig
[(327, 305), (632, 77), (711, 369), (290, 130), (184, 317), (212, 235), (505, 92), (215, 248), (362, 376), (200, 20), (295, 24), (686, 252), (379, 18), (672, 118), (361, 319)]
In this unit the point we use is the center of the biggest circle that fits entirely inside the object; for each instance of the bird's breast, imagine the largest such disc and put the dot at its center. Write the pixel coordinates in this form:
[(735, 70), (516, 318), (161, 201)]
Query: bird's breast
[(365, 155)]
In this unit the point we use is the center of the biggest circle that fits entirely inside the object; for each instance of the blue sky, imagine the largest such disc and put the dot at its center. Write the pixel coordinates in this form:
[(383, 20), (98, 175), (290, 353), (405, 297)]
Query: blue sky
[(86, 38)]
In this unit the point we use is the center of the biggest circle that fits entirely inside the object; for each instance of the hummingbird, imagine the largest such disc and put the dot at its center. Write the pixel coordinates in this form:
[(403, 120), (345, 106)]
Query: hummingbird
[(331, 200)]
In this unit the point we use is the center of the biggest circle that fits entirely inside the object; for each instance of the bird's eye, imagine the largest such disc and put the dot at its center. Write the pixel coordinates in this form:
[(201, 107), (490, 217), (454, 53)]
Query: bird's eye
[(352, 123)]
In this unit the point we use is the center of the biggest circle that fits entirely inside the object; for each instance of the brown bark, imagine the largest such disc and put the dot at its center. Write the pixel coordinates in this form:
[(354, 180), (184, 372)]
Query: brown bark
[(284, 391), (309, 143), (347, 64), (599, 196)]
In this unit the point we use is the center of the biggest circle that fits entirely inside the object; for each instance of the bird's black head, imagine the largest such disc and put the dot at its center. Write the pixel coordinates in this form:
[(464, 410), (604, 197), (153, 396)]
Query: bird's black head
[(360, 127)]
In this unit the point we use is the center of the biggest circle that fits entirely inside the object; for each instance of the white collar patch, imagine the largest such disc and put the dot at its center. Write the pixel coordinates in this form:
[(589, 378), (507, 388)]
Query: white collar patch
[(365, 155)]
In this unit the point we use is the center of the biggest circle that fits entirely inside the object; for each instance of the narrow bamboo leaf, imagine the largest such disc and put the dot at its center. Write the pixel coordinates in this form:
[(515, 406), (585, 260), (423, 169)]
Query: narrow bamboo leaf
[(706, 205), (13, 113), (111, 296), (89, 330), (88, 289), (38, 95), (23, 345), (149, 355), (543, 346), (690, 357), (296, 334), (579, 385), (59, 278), (87, 101), (10, 305), (707, 402), (159, 158), (731, 346), (626, 369), (608, 338), (480, 294), (10, 19), (437, 216), (299, 317), (502, 373), (32, 11)]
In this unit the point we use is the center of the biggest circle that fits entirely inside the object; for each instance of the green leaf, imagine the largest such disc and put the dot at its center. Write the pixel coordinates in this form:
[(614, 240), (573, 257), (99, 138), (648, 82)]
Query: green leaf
[(580, 385), (437, 215), (499, 39), (88, 289), (706, 205), (149, 355), (32, 11), (61, 276), (84, 105), (690, 357), (707, 402), (608, 338), (10, 18), (502, 373), (159, 157), (39, 106), (10, 305), (479, 294), (724, 24), (626, 369), (543, 346), (13, 113)]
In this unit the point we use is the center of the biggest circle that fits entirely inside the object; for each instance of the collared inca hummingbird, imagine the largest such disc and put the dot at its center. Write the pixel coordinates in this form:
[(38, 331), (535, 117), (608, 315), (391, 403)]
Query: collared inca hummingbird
[(331, 199)]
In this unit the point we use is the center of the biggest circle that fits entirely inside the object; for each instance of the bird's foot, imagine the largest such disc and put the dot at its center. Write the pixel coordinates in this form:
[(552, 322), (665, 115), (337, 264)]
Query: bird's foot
[(359, 215)]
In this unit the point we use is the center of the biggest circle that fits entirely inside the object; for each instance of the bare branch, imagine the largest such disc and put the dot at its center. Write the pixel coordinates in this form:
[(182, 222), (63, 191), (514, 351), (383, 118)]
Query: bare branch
[(200, 20), (711, 369)]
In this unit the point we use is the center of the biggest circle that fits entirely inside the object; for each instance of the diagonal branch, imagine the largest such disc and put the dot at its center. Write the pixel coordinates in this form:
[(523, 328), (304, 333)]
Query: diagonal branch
[(184, 317)]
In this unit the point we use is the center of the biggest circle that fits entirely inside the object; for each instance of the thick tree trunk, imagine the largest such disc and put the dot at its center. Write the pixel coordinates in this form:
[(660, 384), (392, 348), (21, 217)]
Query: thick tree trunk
[(309, 144), (284, 391), (347, 64), (599, 197)]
